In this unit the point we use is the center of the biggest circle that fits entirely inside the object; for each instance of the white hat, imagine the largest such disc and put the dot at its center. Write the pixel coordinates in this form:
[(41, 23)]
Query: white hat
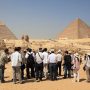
[(88, 53), (69, 51), (52, 50), (76, 54), (59, 51)]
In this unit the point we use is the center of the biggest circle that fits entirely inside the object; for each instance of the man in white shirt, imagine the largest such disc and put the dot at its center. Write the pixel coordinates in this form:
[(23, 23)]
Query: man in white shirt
[(59, 61), (52, 65), (16, 60), (45, 62), (39, 65)]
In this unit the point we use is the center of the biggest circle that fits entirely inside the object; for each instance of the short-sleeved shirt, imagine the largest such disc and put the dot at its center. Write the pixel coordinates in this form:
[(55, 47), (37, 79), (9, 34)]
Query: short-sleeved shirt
[(52, 58), (45, 57)]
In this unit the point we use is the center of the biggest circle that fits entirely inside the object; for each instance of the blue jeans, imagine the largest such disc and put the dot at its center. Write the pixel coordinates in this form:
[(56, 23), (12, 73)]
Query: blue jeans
[(67, 71), (39, 71), (53, 71)]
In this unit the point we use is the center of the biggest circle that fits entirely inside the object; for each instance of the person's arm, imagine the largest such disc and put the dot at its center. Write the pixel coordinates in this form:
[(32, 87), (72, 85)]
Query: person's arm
[(84, 66), (63, 60), (85, 61), (20, 58), (26, 56), (42, 56), (48, 60), (5, 58), (56, 58)]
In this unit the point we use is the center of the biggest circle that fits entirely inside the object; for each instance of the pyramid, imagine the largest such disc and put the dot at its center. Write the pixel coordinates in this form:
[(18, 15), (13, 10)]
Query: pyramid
[(78, 29), (5, 33)]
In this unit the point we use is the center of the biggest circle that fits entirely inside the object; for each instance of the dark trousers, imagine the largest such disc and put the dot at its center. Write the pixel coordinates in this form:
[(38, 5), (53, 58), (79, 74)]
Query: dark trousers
[(59, 67), (67, 70), (2, 73), (48, 69), (22, 70), (53, 71), (28, 67), (39, 71), (88, 73)]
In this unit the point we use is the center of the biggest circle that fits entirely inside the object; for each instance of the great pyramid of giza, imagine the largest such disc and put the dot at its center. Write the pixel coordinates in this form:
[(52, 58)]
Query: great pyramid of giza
[(78, 29), (5, 33)]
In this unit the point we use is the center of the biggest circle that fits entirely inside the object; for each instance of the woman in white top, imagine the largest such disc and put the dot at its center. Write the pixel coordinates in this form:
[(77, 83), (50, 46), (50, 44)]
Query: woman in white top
[(76, 67)]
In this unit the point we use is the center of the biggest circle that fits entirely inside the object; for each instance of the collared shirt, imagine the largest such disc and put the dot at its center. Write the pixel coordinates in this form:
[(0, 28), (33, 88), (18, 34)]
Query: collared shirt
[(45, 57), (59, 57), (16, 59), (3, 58), (27, 54), (52, 58), (39, 57)]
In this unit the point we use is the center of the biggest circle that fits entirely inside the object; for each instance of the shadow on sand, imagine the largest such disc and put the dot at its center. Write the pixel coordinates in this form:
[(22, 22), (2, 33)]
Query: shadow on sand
[(83, 79)]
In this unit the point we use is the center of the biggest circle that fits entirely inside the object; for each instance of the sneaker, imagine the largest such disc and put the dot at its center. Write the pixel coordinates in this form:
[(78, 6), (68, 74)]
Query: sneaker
[(21, 82), (38, 80), (14, 82), (78, 80), (2, 81), (64, 77)]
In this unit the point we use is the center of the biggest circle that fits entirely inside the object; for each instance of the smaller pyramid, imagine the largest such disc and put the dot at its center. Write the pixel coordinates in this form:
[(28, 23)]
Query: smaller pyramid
[(78, 29), (5, 33)]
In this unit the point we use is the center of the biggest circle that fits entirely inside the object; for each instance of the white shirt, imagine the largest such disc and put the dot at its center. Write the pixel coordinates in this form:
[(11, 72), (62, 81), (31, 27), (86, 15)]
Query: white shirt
[(59, 57), (16, 59), (28, 53), (52, 58), (38, 59), (45, 57)]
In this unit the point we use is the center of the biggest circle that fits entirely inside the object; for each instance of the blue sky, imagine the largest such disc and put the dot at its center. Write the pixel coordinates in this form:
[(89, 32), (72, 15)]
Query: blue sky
[(42, 18)]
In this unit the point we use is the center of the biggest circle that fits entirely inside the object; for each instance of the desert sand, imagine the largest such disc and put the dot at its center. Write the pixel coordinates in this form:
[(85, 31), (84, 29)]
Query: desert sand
[(76, 40), (61, 84)]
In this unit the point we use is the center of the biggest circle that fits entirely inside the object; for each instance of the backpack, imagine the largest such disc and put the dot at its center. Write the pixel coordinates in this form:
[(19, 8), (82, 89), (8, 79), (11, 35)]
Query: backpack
[(30, 59)]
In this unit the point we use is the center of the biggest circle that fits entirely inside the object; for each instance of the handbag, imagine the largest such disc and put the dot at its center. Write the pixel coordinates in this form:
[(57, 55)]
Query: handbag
[(40, 56), (84, 68)]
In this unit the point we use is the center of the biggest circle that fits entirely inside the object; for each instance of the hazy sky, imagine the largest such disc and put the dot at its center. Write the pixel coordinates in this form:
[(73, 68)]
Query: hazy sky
[(42, 18)]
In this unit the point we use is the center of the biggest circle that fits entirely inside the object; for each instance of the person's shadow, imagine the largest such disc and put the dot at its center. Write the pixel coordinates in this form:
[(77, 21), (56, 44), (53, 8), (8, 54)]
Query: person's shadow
[(8, 81), (83, 79)]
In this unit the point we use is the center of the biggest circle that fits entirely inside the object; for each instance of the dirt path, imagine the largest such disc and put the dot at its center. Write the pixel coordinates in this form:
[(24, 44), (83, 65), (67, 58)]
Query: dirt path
[(61, 84)]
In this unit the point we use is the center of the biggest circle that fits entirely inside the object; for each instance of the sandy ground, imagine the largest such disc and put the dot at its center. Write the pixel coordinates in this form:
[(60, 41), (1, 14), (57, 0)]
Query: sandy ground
[(61, 84)]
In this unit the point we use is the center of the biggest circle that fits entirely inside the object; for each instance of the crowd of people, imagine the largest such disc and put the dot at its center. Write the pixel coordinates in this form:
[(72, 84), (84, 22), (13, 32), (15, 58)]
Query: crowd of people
[(27, 64)]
